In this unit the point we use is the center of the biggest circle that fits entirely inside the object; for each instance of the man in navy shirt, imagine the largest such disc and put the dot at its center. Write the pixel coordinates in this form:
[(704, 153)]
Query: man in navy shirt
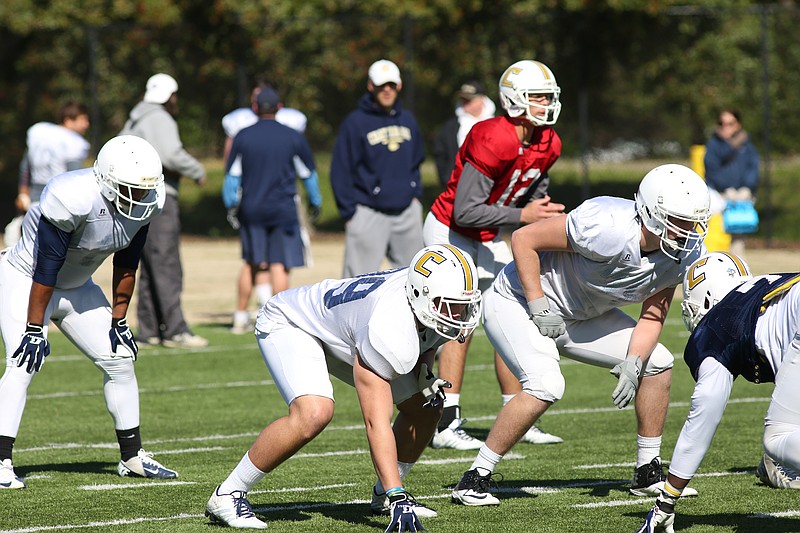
[(270, 230), (375, 176)]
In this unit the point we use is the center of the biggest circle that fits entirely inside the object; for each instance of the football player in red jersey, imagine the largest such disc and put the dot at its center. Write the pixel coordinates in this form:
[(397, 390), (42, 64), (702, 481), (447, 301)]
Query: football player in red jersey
[(500, 178)]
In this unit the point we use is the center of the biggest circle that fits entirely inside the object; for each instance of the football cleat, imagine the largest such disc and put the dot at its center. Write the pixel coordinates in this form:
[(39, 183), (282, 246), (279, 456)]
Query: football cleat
[(187, 339), (380, 505), (537, 436), (455, 438), (473, 490), (8, 479), (143, 465), (648, 480), (776, 475), (232, 510)]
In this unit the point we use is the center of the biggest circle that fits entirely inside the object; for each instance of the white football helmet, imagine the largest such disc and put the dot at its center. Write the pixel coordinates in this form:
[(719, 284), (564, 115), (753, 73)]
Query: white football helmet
[(707, 281), (129, 172), (524, 79), (668, 197), (442, 288)]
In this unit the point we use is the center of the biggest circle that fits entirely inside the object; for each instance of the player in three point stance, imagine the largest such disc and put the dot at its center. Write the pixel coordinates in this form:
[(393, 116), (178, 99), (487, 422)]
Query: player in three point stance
[(378, 332), (561, 296), (740, 326), (83, 217)]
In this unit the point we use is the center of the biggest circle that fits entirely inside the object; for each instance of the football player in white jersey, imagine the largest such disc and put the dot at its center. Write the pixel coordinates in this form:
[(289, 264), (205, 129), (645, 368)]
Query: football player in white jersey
[(562, 296), (740, 326), (51, 149), (83, 217), (378, 332), (233, 123)]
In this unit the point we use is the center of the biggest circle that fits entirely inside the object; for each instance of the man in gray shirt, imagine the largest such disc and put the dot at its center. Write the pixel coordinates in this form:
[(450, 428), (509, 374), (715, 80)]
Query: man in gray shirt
[(159, 310)]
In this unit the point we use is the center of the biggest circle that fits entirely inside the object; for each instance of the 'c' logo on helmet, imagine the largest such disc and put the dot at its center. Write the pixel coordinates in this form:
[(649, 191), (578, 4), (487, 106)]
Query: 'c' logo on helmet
[(694, 279), (438, 258), (513, 70)]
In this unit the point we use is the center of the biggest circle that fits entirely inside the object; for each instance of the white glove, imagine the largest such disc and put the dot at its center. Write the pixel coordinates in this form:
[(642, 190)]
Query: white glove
[(431, 386), (662, 516), (549, 324), (628, 372)]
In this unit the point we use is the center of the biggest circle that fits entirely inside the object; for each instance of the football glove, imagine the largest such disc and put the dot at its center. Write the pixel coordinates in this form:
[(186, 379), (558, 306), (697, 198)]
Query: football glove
[(628, 372), (404, 518), (231, 191), (660, 518), (550, 324), (233, 220), (120, 333), (33, 348), (432, 387)]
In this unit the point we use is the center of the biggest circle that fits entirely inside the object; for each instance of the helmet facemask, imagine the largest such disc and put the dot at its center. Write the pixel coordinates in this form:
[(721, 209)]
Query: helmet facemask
[(129, 172), (525, 80), (442, 288)]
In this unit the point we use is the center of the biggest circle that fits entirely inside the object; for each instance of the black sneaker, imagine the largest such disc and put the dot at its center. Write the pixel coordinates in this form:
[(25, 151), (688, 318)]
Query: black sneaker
[(648, 480), (473, 490)]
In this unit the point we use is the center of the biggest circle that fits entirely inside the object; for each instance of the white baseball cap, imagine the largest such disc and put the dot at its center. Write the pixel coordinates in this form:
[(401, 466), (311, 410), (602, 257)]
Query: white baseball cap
[(384, 71), (159, 88)]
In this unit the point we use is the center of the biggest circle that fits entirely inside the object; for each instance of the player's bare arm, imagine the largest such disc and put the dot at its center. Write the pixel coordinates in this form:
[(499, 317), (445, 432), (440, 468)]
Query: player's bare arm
[(528, 241), (651, 321), (377, 407), (123, 283), (37, 303)]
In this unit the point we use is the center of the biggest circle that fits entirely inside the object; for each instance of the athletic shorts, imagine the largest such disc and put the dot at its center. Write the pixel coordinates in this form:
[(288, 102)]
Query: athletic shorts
[(273, 244)]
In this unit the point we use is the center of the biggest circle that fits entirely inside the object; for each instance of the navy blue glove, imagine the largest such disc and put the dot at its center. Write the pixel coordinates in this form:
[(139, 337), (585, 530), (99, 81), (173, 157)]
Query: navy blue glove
[(33, 348), (121, 334), (403, 516)]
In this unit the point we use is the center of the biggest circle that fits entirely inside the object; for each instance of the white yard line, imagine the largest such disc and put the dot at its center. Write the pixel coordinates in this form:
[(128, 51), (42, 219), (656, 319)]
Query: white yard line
[(147, 484)]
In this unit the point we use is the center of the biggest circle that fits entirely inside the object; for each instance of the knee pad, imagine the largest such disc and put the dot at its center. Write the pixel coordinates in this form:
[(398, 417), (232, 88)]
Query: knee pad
[(118, 369), (549, 387), (659, 361)]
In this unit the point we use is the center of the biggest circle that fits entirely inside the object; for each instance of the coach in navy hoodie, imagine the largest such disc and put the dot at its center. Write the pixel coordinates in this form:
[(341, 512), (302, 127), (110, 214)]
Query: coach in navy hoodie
[(375, 174)]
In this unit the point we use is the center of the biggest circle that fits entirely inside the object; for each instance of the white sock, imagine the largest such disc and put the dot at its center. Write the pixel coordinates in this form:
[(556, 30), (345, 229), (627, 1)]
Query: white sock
[(402, 469), (507, 398), (452, 399), (243, 477), (647, 449), (241, 317), (263, 293), (486, 461)]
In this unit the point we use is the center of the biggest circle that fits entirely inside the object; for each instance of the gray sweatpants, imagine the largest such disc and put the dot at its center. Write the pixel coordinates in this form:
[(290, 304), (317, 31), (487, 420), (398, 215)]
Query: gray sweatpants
[(371, 235), (161, 278)]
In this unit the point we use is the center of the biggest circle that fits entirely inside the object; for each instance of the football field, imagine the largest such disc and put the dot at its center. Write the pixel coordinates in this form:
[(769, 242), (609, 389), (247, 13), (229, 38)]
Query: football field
[(202, 409)]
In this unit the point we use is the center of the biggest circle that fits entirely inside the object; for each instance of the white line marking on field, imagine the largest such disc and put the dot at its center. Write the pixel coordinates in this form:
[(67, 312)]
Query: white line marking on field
[(38, 476), (125, 522), (355, 427), (612, 503), (779, 514), (302, 489), (148, 484), (192, 450), (331, 454), (454, 460), (182, 388)]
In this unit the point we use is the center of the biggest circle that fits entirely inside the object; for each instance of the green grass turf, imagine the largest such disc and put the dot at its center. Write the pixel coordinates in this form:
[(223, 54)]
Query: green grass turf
[(201, 410)]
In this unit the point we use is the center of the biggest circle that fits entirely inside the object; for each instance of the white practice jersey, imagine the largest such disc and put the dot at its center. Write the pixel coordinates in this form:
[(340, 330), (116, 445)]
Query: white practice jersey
[(607, 269), (369, 314), (73, 203), (244, 117), (778, 324), (50, 148)]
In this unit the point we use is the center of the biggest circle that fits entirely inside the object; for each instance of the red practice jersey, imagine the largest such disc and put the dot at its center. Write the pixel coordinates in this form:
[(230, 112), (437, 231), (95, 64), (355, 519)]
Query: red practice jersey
[(493, 148)]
